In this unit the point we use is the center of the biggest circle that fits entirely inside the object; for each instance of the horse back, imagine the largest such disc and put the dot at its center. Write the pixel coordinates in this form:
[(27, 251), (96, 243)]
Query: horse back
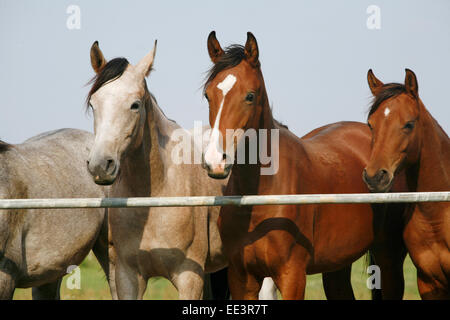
[(42, 243), (329, 159)]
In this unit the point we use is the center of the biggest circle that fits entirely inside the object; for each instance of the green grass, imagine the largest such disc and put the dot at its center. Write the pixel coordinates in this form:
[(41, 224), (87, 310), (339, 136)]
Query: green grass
[(94, 285), (314, 288)]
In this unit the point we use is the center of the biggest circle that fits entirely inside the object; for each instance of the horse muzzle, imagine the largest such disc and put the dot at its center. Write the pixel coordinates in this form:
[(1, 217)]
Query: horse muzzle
[(379, 182), (104, 170), (219, 170)]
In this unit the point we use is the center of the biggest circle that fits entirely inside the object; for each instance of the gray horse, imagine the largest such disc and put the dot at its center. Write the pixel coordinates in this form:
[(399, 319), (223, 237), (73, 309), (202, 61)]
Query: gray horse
[(134, 145), (38, 247)]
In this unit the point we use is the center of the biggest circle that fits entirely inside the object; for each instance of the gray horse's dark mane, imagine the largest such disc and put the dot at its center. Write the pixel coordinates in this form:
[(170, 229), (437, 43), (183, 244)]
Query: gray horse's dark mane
[(4, 146), (111, 71)]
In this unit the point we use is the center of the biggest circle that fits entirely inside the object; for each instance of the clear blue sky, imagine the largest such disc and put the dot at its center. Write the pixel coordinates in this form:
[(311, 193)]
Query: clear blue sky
[(314, 56)]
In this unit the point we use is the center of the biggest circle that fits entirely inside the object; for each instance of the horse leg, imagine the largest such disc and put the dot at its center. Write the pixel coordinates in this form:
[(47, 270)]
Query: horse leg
[(112, 271), (430, 288), (105, 255), (219, 284), (207, 290), (189, 282), (7, 285), (243, 286), (48, 291), (268, 290), (388, 251), (337, 285), (390, 261), (130, 285), (291, 281), (103, 250)]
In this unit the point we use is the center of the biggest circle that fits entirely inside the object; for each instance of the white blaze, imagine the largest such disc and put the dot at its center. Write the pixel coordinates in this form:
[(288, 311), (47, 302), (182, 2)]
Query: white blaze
[(386, 112), (214, 153), (227, 84)]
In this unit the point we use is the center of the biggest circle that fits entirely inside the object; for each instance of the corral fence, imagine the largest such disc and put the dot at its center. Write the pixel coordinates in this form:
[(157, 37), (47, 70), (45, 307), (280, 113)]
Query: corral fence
[(62, 203)]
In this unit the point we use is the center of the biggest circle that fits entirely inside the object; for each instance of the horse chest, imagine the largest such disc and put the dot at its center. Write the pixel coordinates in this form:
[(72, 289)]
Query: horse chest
[(263, 236)]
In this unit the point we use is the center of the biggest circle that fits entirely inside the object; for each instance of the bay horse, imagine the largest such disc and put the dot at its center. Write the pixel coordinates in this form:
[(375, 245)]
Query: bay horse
[(286, 242), (37, 246), (133, 151), (407, 139)]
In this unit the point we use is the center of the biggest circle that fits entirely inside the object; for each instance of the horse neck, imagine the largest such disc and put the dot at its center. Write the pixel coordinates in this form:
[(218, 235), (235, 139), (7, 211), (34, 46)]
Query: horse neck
[(145, 166), (8, 164), (246, 176), (432, 171), (266, 120)]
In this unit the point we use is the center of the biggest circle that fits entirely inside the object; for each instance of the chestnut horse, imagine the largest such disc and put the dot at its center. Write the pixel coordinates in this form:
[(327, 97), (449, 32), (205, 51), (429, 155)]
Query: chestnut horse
[(286, 242), (406, 138)]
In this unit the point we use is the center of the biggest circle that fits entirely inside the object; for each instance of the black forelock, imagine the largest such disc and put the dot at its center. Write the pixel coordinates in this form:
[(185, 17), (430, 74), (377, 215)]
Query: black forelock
[(112, 70)]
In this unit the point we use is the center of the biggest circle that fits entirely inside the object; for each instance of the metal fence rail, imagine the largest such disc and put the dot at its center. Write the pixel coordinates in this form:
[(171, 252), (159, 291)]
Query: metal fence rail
[(225, 200)]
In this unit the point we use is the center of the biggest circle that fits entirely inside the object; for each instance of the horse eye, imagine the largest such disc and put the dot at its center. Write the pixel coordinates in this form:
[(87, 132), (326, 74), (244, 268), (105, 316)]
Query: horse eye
[(135, 106), (250, 97), (370, 126), (206, 97), (409, 125)]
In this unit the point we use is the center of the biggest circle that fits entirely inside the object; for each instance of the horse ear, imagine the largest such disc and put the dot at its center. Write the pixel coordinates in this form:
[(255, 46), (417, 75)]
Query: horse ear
[(251, 50), (214, 49), (374, 83), (97, 59), (145, 65), (411, 83)]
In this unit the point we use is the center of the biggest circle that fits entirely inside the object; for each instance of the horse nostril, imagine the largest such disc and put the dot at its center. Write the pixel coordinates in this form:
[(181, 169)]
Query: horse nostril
[(110, 165), (365, 174), (381, 175), (224, 156), (204, 164)]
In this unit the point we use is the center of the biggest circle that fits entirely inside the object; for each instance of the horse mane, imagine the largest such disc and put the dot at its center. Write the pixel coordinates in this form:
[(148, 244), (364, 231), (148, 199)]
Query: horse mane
[(232, 56), (111, 71), (4, 146), (387, 91), (279, 123)]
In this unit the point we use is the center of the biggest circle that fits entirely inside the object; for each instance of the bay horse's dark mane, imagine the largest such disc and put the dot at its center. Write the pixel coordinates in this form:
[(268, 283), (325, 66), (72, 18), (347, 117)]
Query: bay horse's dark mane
[(281, 124), (232, 56), (111, 71), (387, 91)]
